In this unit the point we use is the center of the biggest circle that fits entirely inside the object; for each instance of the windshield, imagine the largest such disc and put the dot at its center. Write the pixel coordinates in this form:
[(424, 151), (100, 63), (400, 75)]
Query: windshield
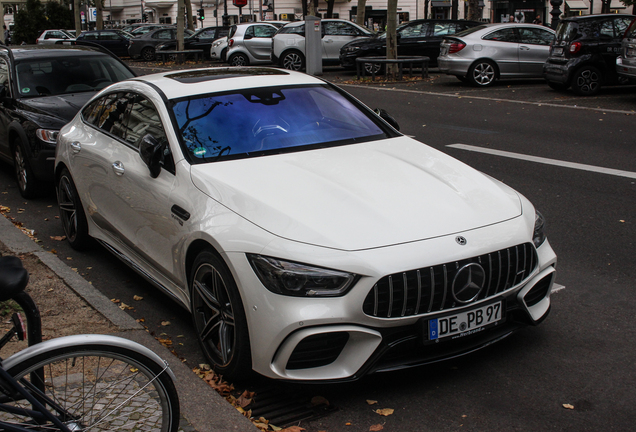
[(261, 121), (50, 77)]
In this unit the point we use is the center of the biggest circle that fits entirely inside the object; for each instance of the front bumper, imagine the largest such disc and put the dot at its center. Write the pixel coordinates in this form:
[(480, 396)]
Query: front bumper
[(333, 339), (624, 69)]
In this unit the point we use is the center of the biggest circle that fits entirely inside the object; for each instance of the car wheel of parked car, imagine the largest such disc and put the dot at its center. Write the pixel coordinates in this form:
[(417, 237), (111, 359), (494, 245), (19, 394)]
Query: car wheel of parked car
[(71, 212), (224, 55), (373, 68), (219, 318), (483, 73), (293, 60), (28, 185), (557, 85), (587, 81), (239, 60), (148, 54)]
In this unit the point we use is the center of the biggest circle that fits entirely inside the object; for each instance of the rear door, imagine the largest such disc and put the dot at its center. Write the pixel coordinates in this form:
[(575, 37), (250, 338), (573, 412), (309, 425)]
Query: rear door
[(534, 48), (412, 39), (335, 35)]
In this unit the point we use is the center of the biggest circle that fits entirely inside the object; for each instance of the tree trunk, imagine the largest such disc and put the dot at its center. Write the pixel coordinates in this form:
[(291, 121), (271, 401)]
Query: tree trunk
[(181, 14), (78, 20), (454, 8), (330, 8), (188, 10), (391, 38), (362, 4), (473, 10), (99, 20)]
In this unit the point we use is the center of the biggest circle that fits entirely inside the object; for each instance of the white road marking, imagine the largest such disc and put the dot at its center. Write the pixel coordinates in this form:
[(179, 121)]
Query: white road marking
[(546, 161), (556, 288)]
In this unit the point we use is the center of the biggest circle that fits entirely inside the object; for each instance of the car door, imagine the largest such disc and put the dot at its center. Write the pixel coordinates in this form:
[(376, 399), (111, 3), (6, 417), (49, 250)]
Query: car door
[(610, 39), (502, 47), (129, 205), (258, 41), (5, 108), (534, 49), (335, 35), (113, 42), (411, 39)]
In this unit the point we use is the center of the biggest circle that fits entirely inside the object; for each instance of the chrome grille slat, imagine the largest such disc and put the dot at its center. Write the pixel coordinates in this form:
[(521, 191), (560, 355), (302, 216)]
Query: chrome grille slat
[(504, 269)]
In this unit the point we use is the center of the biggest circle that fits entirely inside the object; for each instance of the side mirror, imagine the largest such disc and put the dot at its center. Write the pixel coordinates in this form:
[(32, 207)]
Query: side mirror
[(151, 152), (387, 118)]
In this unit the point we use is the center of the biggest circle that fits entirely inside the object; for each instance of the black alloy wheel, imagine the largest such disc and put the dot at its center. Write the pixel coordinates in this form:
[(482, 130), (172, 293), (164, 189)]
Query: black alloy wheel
[(28, 185), (293, 60), (148, 54), (587, 81), (219, 318), (72, 213), (239, 60)]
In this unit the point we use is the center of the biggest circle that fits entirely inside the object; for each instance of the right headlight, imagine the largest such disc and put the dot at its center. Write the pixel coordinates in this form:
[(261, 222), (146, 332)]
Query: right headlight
[(538, 236), (300, 280)]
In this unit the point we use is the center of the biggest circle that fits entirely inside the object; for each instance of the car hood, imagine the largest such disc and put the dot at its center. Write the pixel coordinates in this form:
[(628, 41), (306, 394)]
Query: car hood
[(359, 196), (57, 108)]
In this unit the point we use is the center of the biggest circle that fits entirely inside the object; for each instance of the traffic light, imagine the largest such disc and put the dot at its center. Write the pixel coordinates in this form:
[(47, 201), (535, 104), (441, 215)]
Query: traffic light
[(145, 17), (201, 14)]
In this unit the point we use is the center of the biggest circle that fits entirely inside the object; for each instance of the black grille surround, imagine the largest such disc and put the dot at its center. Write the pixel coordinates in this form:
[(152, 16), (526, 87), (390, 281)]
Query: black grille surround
[(428, 289)]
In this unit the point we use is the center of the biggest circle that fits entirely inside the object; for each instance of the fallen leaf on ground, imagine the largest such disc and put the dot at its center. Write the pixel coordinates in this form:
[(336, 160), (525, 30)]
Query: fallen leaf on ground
[(138, 298), (58, 238), (165, 323), (568, 406), (371, 402), (124, 306), (385, 411), (375, 428), (293, 429)]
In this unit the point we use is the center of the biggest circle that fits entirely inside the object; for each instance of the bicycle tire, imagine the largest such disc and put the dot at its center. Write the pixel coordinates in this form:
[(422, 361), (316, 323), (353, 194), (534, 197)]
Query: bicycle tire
[(104, 387)]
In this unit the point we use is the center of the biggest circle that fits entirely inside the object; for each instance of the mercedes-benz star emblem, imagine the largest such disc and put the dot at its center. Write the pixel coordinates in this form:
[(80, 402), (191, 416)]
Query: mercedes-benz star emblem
[(468, 283), (461, 240)]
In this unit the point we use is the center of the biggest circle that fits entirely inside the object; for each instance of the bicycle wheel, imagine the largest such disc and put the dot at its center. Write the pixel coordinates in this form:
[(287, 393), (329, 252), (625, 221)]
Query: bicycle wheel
[(97, 387)]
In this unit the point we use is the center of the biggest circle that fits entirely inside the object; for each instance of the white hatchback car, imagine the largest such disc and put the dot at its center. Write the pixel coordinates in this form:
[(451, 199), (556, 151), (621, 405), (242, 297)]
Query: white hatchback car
[(52, 36), (309, 239), (288, 46)]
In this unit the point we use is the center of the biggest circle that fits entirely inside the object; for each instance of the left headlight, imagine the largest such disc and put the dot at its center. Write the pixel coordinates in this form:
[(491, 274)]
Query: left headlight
[(47, 135), (300, 280), (538, 237)]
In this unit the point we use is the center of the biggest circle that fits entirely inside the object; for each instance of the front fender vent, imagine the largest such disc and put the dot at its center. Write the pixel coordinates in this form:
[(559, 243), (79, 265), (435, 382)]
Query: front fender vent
[(428, 289)]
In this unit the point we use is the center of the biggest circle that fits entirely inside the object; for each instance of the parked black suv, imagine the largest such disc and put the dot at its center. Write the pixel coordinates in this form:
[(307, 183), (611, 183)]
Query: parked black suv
[(583, 54), (414, 38), (42, 87)]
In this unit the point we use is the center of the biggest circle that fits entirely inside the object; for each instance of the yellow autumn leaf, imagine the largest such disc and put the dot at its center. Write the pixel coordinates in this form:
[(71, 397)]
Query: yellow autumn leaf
[(568, 406), (385, 411), (371, 402), (376, 428), (138, 298)]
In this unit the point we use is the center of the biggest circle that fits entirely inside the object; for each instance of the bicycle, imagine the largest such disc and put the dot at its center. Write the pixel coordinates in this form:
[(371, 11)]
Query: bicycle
[(78, 383)]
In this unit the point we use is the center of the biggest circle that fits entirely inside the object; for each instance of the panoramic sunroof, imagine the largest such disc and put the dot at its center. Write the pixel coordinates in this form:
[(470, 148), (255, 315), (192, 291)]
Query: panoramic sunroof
[(201, 75)]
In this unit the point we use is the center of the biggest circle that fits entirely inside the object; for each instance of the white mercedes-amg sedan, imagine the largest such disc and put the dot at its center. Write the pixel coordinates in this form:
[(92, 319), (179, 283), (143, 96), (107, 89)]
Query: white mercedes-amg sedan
[(308, 237)]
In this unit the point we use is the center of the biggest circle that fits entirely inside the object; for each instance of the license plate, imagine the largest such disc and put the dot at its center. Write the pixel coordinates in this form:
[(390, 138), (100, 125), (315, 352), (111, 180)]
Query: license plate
[(465, 323), (557, 51)]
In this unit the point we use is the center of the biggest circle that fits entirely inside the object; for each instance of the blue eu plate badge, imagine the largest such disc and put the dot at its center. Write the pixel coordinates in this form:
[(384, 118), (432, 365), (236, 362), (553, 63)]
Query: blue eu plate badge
[(433, 333)]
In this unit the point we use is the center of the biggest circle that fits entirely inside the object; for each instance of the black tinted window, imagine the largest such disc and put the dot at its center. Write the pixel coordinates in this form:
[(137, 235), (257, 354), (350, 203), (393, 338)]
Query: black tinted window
[(503, 35), (535, 36)]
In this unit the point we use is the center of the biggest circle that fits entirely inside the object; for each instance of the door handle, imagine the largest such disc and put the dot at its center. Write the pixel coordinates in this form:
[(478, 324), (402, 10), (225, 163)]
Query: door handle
[(75, 147), (118, 167)]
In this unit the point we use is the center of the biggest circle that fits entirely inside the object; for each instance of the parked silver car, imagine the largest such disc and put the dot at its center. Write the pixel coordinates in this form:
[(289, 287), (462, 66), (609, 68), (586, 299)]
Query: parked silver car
[(483, 54), (626, 62), (52, 36), (250, 43)]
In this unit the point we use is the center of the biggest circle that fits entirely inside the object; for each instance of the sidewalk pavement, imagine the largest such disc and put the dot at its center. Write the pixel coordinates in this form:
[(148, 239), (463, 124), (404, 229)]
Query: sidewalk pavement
[(202, 408)]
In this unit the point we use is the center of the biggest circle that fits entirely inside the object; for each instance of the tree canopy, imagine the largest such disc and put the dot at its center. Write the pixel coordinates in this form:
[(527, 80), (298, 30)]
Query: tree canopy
[(35, 17)]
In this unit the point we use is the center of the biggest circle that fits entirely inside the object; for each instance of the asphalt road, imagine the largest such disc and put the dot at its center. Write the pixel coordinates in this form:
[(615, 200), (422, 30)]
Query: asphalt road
[(581, 355)]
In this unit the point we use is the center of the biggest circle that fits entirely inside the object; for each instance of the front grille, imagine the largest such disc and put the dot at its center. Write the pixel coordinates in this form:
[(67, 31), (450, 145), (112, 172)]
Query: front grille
[(428, 289), (317, 350)]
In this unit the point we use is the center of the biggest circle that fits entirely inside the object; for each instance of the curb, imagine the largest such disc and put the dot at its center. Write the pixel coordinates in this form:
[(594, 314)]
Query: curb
[(203, 408)]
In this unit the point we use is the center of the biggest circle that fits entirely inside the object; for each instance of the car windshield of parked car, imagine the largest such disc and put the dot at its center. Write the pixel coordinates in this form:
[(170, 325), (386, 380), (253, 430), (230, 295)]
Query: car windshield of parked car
[(260, 121), (55, 76)]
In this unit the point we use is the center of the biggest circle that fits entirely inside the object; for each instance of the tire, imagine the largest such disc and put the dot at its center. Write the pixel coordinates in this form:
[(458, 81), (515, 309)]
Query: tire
[(223, 54), (148, 54), (557, 86), (293, 60), (239, 60), (72, 213), (483, 73), (101, 387), (370, 68), (219, 317), (587, 81), (28, 185)]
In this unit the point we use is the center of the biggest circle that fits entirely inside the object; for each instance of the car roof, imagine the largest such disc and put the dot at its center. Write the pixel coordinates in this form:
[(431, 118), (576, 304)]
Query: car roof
[(184, 83), (593, 17), (47, 51)]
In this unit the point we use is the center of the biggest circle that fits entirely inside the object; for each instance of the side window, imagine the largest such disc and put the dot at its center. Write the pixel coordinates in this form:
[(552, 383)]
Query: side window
[(607, 29), (414, 31), (249, 32), (162, 34), (621, 25), (112, 115), (207, 34), (143, 119), (535, 36), (109, 36), (442, 29), (4, 75), (90, 36), (90, 113), (503, 35), (264, 31), (222, 33)]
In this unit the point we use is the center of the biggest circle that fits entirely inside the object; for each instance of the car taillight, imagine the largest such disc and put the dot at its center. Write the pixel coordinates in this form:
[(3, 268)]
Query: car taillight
[(230, 43), (575, 47), (456, 47)]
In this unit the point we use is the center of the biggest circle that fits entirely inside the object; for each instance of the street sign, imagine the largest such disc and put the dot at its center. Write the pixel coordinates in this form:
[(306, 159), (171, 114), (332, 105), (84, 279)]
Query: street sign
[(92, 14), (239, 3)]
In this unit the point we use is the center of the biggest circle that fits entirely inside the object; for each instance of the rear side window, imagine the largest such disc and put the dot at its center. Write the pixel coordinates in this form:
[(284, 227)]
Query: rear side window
[(567, 31), (503, 35), (631, 31)]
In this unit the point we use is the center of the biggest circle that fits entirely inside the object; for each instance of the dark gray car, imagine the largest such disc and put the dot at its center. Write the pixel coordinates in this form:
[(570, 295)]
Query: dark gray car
[(116, 41), (144, 46)]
